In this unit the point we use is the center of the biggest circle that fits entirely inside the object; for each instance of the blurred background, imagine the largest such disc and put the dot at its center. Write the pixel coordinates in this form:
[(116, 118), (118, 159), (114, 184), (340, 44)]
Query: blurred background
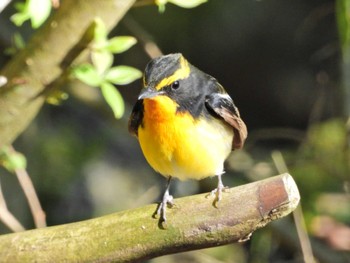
[(281, 62)]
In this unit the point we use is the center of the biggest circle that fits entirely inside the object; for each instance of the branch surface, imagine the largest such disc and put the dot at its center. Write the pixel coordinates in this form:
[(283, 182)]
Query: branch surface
[(134, 235), (43, 60)]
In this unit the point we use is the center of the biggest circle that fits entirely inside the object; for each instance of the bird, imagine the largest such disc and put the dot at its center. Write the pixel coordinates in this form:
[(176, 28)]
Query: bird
[(186, 124)]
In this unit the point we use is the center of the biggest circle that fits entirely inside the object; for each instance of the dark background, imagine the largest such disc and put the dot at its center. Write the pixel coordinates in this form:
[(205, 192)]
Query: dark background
[(281, 63)]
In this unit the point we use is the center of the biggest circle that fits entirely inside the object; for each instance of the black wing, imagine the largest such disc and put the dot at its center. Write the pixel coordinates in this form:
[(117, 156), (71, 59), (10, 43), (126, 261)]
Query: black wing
[(136, 118), (222, 106)]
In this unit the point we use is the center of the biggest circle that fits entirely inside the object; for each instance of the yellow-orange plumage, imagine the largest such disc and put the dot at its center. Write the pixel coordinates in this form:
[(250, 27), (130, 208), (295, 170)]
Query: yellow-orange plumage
[(176, 144)]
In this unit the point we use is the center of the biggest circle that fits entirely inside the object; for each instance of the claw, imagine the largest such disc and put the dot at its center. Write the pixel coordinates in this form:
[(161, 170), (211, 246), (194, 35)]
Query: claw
[(167, 200), (217, 192)]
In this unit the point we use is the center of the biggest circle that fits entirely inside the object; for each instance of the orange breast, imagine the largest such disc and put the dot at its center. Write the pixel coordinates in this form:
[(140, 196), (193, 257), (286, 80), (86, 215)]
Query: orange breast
[(177, 145)]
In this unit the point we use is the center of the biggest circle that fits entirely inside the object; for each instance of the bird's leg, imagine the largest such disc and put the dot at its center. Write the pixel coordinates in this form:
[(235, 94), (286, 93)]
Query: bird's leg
[(218, 191), (167, 199)]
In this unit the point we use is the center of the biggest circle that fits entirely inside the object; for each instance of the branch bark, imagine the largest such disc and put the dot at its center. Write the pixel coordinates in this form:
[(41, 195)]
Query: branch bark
[(42, 62), (133, 235)]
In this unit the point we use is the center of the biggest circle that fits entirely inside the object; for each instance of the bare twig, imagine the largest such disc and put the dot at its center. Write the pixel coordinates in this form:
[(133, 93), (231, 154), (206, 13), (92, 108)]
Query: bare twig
[(33, 200), (133, 235), (321, 250), (7, 217), (298, 216), (12, 163), (150, 47)]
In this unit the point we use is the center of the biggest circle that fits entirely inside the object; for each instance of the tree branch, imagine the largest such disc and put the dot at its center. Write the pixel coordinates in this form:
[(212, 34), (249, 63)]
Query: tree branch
[(133, 235), (40, 63)]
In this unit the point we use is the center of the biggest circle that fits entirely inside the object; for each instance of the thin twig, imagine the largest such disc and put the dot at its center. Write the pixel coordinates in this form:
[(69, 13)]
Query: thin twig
[(298, 216), (33, 200), (150, 47), (7, 217)]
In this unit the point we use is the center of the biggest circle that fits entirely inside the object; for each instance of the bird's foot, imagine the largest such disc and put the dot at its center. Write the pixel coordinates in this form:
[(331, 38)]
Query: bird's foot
[(161, 211), (217, 194)]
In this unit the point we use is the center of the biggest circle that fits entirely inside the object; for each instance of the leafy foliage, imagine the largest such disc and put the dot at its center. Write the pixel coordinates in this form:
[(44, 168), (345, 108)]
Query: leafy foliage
[(113, 98), (100, 72), (37, 11)]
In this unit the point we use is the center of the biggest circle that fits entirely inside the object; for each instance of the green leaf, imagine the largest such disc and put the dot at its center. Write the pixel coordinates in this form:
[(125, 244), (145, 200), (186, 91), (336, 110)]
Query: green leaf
[(18, 41), (182, 3), (161, 5), (187, 3), (20, 6), (122, 75), (12, 160), (39, 11), (102, 60), (113, 98), (19, 18), (87, 74), (100, 33), (35, 10), (120, 44)]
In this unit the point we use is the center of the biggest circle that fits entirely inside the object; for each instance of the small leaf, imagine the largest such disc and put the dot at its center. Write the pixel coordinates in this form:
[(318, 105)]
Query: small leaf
[(87, 74), (35, 10), (18, 41), (122, 75), (12, 160), (22, 15), (100, 32), (182, 3), (19, 18), (161, 5), (120, 44), (20, 6), (102, 60), (39, 11), (113, 98), (187, 3)]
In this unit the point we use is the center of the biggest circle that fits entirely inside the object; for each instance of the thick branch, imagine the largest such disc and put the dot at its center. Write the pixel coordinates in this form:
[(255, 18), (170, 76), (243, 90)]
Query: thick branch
[(134, 235), (40, 63)]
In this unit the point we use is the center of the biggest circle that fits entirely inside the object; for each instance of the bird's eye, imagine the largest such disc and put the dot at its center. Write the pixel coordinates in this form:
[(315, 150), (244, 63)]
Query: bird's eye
[(175, 85)]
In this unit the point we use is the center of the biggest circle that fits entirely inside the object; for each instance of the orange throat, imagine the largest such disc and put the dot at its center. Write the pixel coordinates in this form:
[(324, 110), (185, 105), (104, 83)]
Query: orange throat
[(176, 144)]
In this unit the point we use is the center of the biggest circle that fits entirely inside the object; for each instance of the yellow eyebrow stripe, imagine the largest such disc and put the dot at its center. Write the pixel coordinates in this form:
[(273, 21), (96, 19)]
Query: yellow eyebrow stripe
[(182, 73)]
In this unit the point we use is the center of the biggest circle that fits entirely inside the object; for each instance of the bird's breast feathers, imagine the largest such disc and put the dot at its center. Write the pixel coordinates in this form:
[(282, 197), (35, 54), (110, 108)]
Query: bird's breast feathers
[(176, 144)]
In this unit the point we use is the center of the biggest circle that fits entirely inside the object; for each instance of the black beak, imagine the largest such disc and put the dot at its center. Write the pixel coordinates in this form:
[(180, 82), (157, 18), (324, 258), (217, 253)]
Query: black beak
[(148, 93)]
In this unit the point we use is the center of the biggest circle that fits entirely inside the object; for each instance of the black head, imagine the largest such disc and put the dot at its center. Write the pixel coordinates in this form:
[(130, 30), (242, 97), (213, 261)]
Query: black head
[(173, 76)]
